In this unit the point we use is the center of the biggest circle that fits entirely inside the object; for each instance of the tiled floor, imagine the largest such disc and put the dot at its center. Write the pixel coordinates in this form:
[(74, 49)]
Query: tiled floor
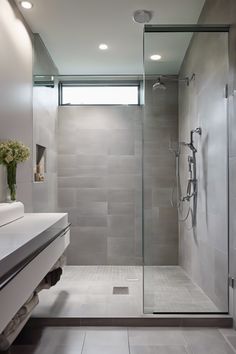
[(95, 340), (87, 291), (169, 289)]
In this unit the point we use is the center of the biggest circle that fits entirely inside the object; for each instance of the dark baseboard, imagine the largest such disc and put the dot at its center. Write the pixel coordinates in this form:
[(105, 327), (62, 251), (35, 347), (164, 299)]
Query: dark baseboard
[(155, 321)]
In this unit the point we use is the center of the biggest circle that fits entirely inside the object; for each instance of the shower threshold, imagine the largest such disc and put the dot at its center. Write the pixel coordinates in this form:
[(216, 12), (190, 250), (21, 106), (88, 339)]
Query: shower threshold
[(113, 296)]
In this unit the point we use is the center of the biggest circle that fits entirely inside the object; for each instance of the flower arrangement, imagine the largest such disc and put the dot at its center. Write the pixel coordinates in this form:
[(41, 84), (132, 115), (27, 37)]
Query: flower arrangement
[(11, 153)]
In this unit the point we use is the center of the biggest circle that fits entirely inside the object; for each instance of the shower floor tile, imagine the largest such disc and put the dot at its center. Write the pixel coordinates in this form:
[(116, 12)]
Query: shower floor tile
[(169, 289), (87, 291)]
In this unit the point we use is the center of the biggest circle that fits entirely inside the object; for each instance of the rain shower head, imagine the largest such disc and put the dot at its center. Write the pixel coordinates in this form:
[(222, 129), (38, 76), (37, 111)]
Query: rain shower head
[(159, 85)]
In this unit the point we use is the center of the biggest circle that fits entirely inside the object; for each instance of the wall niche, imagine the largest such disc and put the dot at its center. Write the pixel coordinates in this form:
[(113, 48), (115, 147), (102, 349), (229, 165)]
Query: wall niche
[(40, 169)]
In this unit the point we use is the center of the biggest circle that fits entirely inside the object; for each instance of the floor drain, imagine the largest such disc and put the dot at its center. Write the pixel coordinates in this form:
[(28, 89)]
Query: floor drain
[(120, 290)]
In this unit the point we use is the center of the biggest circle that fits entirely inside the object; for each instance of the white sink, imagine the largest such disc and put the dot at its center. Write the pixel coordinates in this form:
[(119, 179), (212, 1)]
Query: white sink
[(10, 212)]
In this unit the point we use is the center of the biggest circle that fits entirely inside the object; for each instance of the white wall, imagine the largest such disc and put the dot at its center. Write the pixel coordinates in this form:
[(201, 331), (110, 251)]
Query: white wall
[(16, 60)]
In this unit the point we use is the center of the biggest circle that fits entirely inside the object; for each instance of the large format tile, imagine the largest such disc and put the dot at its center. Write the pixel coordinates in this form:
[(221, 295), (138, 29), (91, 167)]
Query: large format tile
[(109, 340), (100, 148), (153, 337), (51, 340), (162, 349), (206, 341), (85, 195), (106, 341), (30, 349), (106, 349), (204, 248), (121, 142), (230, 336)]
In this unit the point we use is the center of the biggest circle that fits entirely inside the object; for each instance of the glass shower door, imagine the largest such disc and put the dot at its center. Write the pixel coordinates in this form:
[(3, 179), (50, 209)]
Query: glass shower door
[(185, 170)]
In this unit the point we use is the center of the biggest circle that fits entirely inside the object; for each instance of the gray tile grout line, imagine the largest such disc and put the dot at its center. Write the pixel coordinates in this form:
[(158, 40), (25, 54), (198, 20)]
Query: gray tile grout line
[(128, 340), (230, 345), (82, 349), (187, 346), (226, 339)]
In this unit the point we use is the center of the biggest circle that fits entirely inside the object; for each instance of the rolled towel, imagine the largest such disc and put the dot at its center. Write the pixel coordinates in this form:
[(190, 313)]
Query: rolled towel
[(16, 324), (51, 279), (29, 305), (7, 340)]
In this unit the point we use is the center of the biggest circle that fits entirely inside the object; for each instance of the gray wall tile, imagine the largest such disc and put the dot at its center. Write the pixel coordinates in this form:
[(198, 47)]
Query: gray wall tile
[(84, 195), (121, 208), (121, 142), (121, 226), (66, 197), (121, 195), (99, 176), (160, 218), (204, 249), (89, 220)]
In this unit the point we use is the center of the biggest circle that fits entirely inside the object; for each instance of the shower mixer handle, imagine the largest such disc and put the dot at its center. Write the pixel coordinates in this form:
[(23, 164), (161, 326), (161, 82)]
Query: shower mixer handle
[(197, 130)]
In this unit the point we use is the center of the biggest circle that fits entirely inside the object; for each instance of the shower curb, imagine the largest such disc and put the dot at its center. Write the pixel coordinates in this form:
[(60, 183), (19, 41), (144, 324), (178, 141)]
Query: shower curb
[(161, 321)]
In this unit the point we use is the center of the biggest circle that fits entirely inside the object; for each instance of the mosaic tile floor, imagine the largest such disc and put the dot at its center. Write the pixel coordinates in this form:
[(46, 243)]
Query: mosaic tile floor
[(87, 291), (169, 289)]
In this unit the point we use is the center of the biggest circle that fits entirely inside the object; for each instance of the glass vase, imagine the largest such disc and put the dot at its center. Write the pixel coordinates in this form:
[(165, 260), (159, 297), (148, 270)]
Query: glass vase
[(11, 179)]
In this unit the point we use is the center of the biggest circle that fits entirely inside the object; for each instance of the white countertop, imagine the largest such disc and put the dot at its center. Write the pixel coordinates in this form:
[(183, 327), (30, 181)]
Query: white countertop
[(25, 235)]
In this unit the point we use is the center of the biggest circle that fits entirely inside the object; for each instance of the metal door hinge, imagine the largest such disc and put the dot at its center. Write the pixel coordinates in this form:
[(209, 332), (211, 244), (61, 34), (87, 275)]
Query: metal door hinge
[(231, 282), (226, 91)]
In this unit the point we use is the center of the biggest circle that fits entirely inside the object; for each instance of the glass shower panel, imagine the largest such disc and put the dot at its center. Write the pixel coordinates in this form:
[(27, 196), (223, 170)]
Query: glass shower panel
[(185, 173)]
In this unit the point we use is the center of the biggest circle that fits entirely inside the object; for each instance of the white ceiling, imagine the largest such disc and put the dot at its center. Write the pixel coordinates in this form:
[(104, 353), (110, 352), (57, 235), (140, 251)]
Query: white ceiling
[(171, 46), (73, 29)]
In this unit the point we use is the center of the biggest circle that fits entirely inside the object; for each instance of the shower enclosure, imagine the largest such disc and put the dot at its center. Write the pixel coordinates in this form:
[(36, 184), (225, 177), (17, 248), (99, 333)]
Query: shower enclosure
[(185, 169), (143, 181)]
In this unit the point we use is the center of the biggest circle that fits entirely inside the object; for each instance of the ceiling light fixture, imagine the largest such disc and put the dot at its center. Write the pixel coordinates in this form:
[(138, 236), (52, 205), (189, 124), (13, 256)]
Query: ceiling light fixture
[(26, 5), (103, 46), (155, 57), (142, 16)]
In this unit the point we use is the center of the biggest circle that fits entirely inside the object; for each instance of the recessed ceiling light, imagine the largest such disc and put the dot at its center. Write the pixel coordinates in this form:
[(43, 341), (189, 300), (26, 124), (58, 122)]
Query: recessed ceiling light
[(26, 4), (155, 57), (103, 46)]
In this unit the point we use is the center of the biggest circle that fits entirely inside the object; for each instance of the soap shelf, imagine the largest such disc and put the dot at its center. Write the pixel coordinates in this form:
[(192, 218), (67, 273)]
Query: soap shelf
[(40, 168)]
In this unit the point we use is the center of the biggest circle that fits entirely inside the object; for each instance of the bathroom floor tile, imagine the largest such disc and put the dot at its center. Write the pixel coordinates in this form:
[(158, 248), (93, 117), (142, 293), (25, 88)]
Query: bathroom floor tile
[(208, 341), (121, 340), (87, 291), (162, 349), (152, 337)]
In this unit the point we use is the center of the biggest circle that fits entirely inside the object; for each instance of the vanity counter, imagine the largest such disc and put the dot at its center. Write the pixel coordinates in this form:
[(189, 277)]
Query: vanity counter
[(29, 248), (21, 238)]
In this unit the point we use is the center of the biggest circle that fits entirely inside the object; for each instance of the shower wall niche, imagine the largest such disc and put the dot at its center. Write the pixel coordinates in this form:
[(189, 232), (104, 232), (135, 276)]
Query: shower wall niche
[(40, 168)]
